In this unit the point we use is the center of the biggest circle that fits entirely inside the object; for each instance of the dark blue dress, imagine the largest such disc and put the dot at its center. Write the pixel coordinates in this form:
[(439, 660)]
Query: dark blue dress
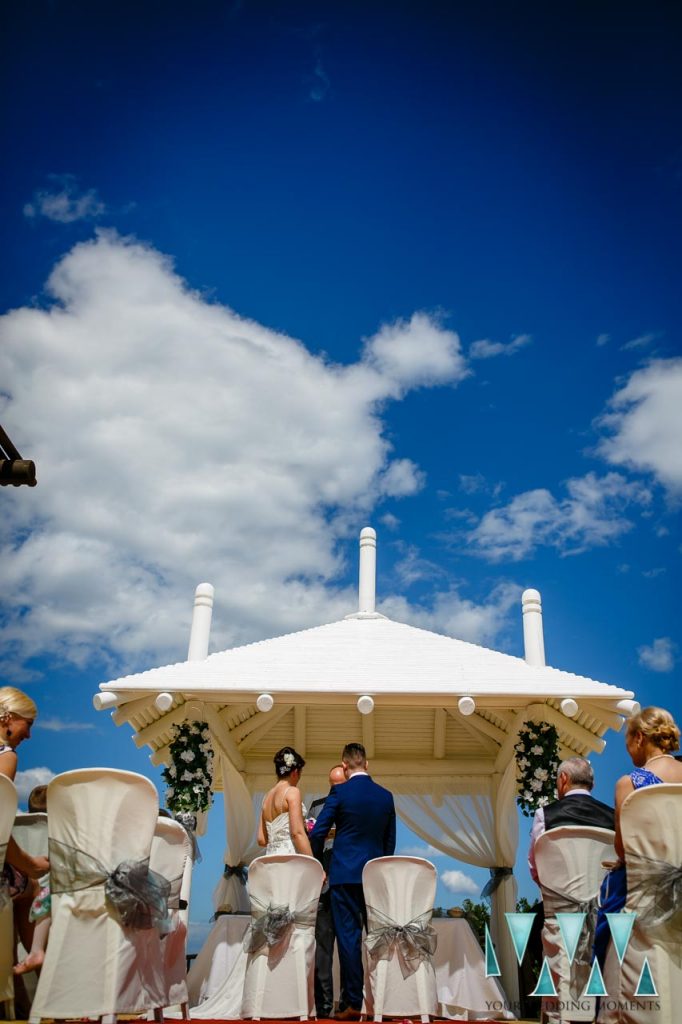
[(614, 888)]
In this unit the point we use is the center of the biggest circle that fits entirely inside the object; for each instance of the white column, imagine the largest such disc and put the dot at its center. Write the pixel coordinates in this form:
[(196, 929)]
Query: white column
[(201, 623), (533, 639), (368, 571)]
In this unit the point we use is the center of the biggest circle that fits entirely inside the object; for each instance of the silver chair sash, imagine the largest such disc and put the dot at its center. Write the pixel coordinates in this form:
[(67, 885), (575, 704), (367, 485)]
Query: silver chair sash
[(654, 889), (415, 942), (135, 895), (271, 924), (562, 903)]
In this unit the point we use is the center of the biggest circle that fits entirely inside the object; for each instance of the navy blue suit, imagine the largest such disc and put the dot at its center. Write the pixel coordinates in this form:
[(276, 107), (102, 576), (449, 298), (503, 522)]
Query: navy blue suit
[(364, 815)]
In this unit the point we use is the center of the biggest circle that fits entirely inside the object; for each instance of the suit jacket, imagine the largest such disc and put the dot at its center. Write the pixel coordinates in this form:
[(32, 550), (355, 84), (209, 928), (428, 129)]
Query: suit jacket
[(580, 809), (364, 815)]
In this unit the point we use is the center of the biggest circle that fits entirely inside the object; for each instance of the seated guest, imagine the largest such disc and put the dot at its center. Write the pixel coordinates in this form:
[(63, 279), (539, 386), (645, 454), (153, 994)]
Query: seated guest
[(650, 740), (575, 806)]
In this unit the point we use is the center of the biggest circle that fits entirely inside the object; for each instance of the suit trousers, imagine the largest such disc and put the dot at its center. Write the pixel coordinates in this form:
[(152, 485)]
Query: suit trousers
[(324, 957), (350, 914)]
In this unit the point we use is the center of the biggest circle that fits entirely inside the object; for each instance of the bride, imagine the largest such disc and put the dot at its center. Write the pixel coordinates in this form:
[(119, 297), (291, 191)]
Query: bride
[(282, 827)]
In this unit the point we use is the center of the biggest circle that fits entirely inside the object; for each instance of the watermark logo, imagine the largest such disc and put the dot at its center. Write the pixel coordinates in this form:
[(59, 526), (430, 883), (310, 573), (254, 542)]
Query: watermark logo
[(571, 929)]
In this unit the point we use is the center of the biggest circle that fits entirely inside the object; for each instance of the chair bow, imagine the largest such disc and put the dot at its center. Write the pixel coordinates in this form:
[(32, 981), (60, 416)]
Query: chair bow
[(135, 895), (415, 941), (237, 871), (655, 889), (271, 924), (496, 876), (562, 903)]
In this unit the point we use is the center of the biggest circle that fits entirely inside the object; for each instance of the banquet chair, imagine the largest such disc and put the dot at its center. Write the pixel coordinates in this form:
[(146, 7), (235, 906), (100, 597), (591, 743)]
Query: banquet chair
[(399, 891), (570, 872), (651, 828), (8, 809), (95, 966), (30, 832), (171, 856), (279, 977)]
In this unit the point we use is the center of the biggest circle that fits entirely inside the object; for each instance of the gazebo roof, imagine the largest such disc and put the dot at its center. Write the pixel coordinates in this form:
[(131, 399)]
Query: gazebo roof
[(445, 706)]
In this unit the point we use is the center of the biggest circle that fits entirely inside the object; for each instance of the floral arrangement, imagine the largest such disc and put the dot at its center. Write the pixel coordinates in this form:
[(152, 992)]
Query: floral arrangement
[(537, 760), (310, 824), (189, 776), (289, 762)]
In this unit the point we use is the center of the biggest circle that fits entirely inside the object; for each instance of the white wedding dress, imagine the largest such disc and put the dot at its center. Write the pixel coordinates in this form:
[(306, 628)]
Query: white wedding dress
[(279, 833), (226, 1003)]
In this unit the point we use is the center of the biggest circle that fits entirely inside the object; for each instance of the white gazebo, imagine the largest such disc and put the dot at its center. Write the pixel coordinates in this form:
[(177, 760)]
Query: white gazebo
[(439, 718)]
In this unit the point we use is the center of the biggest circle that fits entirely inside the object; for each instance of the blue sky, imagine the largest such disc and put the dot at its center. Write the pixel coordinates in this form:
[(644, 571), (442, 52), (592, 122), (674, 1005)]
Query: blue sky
[(271, 272)]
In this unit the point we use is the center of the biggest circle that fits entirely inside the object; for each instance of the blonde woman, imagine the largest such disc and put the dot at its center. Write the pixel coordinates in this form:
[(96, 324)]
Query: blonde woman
[(17, 714), (651, 738), (282, 822)]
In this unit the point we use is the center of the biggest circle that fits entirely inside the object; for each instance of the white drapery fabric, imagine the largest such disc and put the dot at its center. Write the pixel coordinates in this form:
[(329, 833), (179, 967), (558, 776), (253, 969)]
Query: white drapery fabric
[(241, 848)]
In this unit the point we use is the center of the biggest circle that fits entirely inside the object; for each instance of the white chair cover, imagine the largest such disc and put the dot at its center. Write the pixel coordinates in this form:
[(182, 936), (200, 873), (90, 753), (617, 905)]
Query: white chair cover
[(279, 979), (651, 827), (399, 890), (171, 853), (93, 966), (8, 809), (570, 872)]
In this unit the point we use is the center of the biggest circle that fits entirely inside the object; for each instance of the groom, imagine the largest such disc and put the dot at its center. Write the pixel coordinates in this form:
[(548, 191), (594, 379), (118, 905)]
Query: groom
[(364, 816)]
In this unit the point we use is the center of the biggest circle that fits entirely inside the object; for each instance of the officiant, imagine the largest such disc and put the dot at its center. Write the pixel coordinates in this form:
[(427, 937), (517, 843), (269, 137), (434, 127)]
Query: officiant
[(324, 926)]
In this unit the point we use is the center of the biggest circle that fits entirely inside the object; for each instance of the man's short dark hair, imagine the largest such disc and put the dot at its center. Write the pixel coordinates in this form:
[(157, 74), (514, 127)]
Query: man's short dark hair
[(354, 754)]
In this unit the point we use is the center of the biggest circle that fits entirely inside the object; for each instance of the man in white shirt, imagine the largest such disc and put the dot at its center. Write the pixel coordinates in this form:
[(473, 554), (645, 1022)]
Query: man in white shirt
[(575, 806)]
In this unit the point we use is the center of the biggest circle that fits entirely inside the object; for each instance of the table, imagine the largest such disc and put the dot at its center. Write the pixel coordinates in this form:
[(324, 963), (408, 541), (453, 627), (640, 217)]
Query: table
[(464, 992)]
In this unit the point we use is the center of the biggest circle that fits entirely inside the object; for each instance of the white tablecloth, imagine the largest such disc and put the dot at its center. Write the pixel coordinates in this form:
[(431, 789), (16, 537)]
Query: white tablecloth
[(464, 992)]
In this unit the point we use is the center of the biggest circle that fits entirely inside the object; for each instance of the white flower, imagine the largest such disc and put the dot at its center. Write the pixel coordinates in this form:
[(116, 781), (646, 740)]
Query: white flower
[(172, 771), (544, 727), (541, 773), (536, 750), (527, 795), (183, 738), (198, 789), (543, 801), (194, 729), (205, 734), (170, 792), (523, 763), (535, 785), (186, 776), (289, 759), (187, 755)]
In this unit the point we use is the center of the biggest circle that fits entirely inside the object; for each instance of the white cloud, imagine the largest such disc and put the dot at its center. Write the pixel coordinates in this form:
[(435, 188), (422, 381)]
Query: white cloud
[(458, 881), (65, 203), (29, 779), (591, 515), (60, 725), (659, 656), (645, 423), (390, 521), (486, 349), (642, 341), (454, 615), (603, 339), (177, 442), (416, 352), (428, 852)]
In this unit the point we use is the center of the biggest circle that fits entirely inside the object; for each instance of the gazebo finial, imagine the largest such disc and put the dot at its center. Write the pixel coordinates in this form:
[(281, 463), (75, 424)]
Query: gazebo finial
[(368, 572), (201, 623), (533, 639)]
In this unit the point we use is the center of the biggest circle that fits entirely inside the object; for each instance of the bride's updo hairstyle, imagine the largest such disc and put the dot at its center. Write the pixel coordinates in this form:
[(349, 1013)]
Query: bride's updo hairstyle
[(287, 760), (659, 727)]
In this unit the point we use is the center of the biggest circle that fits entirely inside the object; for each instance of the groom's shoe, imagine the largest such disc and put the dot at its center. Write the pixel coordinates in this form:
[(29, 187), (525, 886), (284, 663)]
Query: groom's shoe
[(348, 1014)]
